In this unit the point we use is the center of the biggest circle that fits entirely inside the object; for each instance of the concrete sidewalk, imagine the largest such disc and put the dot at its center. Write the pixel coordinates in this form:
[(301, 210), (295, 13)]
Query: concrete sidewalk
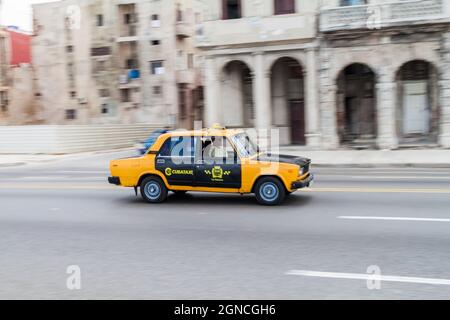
[(351, 158), (13, 160), (374, 158)]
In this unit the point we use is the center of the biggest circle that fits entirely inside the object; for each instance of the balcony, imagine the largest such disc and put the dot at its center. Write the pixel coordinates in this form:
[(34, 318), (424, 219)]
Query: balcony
[(383, 15), (182, 29), (252, 30), (186, 76), (128, 33), (129, 79)]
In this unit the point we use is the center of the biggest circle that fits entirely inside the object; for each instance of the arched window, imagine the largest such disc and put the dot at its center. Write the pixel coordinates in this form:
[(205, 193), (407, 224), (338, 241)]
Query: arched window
[(231, 9), (284, 6)]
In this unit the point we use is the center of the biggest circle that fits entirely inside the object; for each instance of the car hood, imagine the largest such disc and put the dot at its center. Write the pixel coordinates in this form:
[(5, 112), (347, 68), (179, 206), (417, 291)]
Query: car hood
[(281, 158)]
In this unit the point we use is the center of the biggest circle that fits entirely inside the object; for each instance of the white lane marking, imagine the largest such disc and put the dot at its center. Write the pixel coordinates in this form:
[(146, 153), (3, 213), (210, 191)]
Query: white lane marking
[(361, 276), (59, 178), (371, 177), (402, 177), (393, 218), (86, 172)]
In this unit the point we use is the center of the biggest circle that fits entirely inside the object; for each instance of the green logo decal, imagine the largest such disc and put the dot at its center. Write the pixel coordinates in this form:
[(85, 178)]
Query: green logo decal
[(170, 172), (217, 173)]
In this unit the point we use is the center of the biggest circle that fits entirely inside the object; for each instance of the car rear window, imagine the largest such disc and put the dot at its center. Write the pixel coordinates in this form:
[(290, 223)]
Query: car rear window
[(178, 147)]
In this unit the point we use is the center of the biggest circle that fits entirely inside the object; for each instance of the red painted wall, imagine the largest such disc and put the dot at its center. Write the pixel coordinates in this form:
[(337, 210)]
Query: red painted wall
[(20, 47)]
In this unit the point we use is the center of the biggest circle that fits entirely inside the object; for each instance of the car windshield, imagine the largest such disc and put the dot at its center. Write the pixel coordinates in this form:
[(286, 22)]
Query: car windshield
[(245, 145), (153, 137)]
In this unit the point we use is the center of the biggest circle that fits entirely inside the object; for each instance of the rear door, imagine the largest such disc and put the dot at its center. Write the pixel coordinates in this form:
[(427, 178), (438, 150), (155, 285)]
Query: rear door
[(217, 165), (175, 160)]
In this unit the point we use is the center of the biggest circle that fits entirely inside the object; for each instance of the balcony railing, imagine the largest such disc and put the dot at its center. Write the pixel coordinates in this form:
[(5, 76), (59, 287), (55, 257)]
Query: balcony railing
[(182, 29), (129, 32), (382, 15)]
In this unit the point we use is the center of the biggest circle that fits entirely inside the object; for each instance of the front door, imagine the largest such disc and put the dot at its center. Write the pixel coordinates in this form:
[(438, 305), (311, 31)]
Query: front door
[(175, 160), (297, 121), (217, 164), (416, 111)]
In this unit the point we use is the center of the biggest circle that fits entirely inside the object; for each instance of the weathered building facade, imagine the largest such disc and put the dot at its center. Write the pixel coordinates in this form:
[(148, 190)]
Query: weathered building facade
[(331, 73), (261, 67), (384, 71), (17, 79), (120, 61)]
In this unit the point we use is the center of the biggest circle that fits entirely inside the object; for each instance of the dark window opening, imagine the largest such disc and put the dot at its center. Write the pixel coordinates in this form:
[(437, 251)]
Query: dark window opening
[(156, 67), (346, 3), (99, 20), (231, 9), (71, 114), (284, 6), (100, 51), (125, 95), (129, 18), (182, 101), (131, 63), (157, 90), (104, 93)]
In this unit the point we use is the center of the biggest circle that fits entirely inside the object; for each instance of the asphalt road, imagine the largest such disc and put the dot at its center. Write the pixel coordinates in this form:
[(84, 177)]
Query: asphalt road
[(318, 245)]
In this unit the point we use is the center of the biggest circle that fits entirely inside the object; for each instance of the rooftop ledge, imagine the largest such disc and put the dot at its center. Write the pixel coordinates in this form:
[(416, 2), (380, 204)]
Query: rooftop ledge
[(377, 16)]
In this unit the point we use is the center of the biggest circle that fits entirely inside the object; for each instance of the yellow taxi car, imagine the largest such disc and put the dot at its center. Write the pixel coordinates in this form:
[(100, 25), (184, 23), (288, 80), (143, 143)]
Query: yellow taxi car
[(211, 160)]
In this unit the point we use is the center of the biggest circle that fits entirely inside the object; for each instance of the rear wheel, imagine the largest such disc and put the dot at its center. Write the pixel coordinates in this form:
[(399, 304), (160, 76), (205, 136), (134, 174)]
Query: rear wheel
[(270, 191), (153, 190)]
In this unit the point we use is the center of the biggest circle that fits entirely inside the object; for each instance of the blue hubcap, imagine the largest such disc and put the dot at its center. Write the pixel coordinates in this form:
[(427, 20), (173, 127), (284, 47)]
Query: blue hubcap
[(269, 191), (152, 190)]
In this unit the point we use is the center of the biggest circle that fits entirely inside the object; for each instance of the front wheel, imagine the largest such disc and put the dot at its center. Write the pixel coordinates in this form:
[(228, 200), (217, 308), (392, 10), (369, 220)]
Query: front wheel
[(153, 190), (270, 191)]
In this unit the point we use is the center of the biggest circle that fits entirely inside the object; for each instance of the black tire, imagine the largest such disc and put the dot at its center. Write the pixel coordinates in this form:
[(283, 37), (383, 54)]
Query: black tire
[(153, 190), (270, 191)]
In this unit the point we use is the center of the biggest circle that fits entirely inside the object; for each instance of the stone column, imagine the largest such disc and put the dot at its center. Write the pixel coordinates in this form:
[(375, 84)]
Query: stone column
[(444, 137), (328, 105), (212, 100), (386, 113), (444, 92), (262, 93), (312, 112)]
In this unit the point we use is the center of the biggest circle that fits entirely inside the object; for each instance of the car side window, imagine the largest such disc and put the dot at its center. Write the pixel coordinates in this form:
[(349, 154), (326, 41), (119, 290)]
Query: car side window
[(218, 150), (182, 146)]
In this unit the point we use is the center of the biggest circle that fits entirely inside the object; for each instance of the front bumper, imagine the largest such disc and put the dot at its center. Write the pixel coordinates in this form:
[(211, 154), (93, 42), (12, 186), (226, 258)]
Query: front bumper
[(114, 180), (303, 183)]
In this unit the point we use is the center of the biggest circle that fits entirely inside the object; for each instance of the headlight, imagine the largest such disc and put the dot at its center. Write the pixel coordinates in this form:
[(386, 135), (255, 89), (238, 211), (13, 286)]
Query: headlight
[(304, 170)]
